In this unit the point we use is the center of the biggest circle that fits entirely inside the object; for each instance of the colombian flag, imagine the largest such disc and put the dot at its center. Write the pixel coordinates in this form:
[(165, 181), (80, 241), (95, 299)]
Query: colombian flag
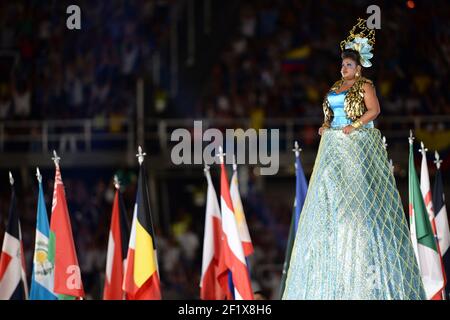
[(295, 59)]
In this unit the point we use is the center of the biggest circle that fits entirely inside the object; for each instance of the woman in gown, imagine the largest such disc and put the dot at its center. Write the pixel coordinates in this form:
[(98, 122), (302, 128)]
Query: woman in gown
[(352, 240)]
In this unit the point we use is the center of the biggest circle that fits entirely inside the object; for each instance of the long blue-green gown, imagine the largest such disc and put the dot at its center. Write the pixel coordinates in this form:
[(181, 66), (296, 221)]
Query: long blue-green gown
[(352, 240)]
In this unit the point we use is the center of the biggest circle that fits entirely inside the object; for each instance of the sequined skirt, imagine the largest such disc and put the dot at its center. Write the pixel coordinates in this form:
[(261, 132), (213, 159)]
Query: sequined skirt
[(352, 240)]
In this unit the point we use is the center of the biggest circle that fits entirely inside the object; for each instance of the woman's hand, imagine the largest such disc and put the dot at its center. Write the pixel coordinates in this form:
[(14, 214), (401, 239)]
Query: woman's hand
[(348, 129), (321, 129)]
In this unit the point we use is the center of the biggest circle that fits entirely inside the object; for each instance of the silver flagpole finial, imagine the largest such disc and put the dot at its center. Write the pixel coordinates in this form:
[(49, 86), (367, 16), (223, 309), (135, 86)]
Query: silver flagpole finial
[(438, 161), (411, 137), (56, 158), (296, 149), (38, 175), (11, 179), (206, 168), (116, 182), (384, 142), (140, 155), (422, 149), (234, 163), (221, 155)]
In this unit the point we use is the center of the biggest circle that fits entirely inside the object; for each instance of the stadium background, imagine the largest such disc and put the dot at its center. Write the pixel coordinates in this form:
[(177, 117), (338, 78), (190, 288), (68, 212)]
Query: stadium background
[(139, 69)]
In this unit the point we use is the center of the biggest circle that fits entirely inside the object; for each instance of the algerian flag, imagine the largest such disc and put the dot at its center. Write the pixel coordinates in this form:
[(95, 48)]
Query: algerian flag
[(422, 236)]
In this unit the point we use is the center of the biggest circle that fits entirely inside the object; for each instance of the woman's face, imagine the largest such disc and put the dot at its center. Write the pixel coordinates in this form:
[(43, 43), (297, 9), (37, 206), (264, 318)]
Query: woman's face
[(349, 68)]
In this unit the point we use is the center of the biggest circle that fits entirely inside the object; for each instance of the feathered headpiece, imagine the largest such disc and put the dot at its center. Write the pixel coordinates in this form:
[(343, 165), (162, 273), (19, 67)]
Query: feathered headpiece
[(361, 39)]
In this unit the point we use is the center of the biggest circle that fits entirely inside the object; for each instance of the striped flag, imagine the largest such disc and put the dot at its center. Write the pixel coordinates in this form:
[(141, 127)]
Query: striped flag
[(428, 200), (422, 235), (117, 249), (62, 253), (13, 281), (244, 235), (441, 219), (233, 253), (301, 188), (141, 281), (210, 288), (42, 278)]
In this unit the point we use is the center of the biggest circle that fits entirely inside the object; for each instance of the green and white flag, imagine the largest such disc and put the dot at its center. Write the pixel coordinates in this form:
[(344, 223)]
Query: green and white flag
[(422, 236)]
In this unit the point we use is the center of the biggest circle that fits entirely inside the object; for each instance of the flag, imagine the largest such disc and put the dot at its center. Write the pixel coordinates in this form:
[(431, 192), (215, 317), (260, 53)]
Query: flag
[(42, 278), (210, 288), (232, 251), (295, 59), (13, 282), (442, 226), (117, 250), (141, 281), (428, 200), (301, 188), (62, 253), (239, 214), (422, 236)]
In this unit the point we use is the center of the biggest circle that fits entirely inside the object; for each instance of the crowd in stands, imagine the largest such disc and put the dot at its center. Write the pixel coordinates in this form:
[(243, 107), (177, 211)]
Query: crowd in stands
[(285, 55), (282, 58), (51, 72)]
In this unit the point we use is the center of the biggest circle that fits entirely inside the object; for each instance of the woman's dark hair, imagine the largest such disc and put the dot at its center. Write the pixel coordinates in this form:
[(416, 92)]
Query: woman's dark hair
[(351, 54)]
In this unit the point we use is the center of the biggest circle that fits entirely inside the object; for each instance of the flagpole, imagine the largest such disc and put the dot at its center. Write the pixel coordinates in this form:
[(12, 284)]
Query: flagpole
[(292, 229), (411, 137), (221, 155), (38, 175), (11, 179), (116, 182), (56, 158), (296, 149), (140, 155), (438, 162)]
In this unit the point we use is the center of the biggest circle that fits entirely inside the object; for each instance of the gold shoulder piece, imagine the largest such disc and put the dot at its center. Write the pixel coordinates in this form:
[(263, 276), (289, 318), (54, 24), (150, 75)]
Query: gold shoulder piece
[(336, 85), (327, 112), (367, 81), (354, 106)]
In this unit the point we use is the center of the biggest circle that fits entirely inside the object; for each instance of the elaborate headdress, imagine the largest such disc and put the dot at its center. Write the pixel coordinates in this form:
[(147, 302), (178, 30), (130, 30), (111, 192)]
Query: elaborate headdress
[(361, 39)]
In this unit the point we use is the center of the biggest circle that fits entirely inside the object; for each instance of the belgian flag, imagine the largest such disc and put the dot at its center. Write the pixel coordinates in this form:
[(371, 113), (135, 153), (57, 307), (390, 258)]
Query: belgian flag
[(141, 280)]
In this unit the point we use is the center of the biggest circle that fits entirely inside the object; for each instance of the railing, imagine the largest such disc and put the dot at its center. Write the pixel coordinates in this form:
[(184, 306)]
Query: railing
[(79, 135), (87, 135)]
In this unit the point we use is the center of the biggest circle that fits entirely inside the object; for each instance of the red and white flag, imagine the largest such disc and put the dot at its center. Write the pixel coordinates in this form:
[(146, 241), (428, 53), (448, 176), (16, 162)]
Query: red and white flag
[(117, 250), (13, 282), (233, 253), (436, 265), (210, 288), (68, 284)]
